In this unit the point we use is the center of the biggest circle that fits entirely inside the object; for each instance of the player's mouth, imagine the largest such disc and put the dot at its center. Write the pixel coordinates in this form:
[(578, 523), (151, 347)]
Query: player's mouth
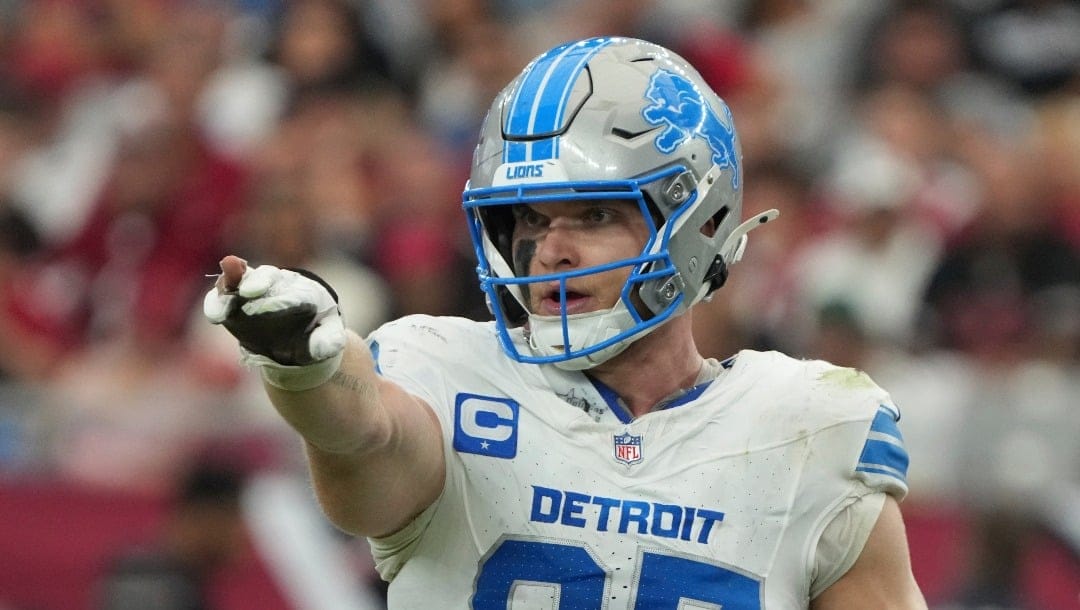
[(551, 303)]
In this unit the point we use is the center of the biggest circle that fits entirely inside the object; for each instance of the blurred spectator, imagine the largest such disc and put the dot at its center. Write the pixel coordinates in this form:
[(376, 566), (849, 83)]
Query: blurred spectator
[(454, 89), (202, 531), (413, 249), (320, 152), (985, 295), (322, 47), (130, 269), (564, 20), (877, 262), (280, 226), (56, 61), (133, 268), (1032, 43), (919, 43), (809, 50), (243, 100), (1058, 133), (54, 48)]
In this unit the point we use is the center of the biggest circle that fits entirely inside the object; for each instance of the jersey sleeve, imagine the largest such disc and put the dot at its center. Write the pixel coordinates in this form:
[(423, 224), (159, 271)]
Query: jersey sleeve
[(391, 552), (429, 357), (864, 458), (863, 424), (883, 461), (843, 540), (408, 352), (403, 353)]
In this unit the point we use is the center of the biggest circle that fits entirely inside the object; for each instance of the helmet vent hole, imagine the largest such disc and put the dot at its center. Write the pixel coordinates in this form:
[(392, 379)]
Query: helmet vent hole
[(709, 228)]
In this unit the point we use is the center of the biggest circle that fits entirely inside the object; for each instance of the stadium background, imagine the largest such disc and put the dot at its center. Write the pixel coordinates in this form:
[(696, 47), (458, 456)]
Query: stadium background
[(925, 157)]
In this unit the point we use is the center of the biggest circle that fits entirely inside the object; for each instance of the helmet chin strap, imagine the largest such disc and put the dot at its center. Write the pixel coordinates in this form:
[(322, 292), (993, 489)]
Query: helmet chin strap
[(545, 335)]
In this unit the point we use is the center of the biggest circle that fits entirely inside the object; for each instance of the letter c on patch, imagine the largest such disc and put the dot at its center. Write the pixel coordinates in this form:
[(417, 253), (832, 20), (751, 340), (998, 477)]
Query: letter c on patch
[(493, 421), (486, 425)]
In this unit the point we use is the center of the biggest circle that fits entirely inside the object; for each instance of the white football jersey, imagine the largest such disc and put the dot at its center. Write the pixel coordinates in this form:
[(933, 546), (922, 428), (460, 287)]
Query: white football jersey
[(556, 498)]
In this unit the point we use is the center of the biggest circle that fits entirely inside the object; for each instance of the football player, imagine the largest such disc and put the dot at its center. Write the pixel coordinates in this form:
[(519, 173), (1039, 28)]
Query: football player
[(578, 451)]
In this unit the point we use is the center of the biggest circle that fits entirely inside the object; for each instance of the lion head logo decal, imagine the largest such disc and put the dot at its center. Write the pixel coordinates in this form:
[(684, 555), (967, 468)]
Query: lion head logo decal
[(679, 106)]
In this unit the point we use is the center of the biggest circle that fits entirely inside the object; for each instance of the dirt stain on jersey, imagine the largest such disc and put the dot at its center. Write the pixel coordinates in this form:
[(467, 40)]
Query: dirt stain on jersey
[(847, 378)]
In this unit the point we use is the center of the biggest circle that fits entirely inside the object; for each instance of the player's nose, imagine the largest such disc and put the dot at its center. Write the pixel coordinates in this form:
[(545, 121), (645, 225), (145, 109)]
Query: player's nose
[(558, 248)]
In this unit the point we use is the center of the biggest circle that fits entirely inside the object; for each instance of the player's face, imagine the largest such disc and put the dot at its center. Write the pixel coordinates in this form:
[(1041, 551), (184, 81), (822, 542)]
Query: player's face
[(565, 236)]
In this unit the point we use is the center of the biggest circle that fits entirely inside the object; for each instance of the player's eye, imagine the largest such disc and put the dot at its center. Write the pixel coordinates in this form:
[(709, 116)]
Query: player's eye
[(528, 217), (598, 215)]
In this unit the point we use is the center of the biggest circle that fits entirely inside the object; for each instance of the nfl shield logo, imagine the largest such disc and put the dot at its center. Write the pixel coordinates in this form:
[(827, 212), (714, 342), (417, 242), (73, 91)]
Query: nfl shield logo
[(628, 448)]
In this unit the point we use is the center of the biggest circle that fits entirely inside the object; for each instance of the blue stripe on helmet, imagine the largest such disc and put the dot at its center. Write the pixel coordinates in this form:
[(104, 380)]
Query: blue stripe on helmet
[(539, 104)]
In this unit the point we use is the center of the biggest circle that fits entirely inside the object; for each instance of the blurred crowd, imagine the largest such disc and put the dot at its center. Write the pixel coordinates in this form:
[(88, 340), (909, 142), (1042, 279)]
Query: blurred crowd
[(924, 155)]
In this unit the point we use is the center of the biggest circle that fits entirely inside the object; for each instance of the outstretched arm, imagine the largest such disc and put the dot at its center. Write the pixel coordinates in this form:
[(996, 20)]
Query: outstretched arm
[(881, 577), (375, 451)]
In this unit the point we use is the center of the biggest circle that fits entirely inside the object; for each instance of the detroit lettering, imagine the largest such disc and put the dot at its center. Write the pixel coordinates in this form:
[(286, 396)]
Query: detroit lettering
[(576, 509)]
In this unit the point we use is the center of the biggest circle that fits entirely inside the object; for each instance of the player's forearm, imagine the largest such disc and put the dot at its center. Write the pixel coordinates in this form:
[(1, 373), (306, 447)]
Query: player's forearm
[(343, 415), (376, 493), (374, 451)]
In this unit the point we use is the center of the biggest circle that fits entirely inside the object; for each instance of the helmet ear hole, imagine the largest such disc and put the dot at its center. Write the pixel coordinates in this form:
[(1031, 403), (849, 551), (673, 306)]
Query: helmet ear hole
[(709, 228), (717, 274)]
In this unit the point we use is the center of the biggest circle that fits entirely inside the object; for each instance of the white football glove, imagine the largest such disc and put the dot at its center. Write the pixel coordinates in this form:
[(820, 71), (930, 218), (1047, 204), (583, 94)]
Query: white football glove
[(287, 322)]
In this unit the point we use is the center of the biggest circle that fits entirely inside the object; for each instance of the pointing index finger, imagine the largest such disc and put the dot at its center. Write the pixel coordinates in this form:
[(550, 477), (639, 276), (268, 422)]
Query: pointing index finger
[(232, 269)]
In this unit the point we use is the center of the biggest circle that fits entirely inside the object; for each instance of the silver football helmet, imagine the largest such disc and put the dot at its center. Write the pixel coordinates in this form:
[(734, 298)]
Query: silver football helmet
[(604, 119)]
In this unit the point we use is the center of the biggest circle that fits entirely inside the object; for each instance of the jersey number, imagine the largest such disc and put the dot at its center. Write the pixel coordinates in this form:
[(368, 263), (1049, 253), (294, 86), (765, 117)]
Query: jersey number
[(663, 582)]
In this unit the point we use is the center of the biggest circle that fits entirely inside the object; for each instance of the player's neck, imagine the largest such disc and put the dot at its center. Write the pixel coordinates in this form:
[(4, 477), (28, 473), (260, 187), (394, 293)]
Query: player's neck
[(654, 367)]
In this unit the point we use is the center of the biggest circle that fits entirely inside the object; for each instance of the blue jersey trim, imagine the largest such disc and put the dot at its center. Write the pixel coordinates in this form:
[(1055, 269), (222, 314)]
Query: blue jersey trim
[(689, 396), (373, 346), (884, 451), (615, 403), (883, 455), (885, 424)]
